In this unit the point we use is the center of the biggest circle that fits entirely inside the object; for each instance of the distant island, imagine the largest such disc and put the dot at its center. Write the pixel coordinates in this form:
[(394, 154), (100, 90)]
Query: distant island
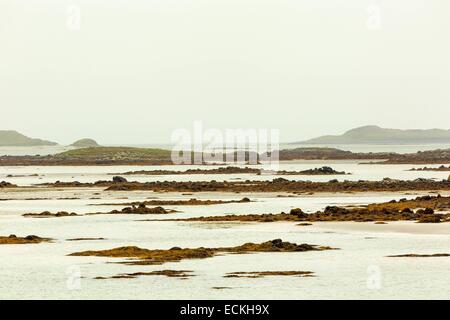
[(85, 143), (97, 156), (378, 135), (11, 138)]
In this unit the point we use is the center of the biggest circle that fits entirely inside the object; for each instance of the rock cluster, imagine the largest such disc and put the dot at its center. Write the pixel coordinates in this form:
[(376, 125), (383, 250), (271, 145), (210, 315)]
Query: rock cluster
[(141, 256), (5, 184), (141, 209), (13, 239), (391, 211), (280, 185), (47, 214)]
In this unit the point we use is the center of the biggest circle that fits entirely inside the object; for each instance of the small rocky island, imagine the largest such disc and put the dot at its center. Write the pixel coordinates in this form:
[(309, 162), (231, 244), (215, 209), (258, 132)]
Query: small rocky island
[(85, 143), (237, 170), (13, 239), (441, 168)]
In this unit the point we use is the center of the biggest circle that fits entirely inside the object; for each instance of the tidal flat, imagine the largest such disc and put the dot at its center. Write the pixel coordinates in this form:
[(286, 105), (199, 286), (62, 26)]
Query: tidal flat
[(407, 259)]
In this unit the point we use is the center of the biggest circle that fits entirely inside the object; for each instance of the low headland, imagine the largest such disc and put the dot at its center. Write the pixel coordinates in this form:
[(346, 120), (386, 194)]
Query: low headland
[(102, 156)]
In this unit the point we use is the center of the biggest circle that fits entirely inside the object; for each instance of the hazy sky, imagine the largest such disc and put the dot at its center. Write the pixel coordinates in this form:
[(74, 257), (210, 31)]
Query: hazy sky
[(135, 70)]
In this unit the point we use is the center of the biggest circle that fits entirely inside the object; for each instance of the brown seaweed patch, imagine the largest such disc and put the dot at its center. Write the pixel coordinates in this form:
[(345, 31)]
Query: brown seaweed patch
[(237, 170), (277, 185), (140, 209), (378, 213), (85, 239), (414, 255), (432, 218), (5, 184), (441, 168), (432, 202), (167, 273), (13, 239), (190, 202), (141, 256), (47, 214), (261, 274)]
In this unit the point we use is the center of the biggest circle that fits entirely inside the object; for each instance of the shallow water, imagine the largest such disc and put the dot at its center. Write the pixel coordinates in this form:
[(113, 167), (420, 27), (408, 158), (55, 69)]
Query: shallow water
[(359, 270), (44, 270), (25, 176)]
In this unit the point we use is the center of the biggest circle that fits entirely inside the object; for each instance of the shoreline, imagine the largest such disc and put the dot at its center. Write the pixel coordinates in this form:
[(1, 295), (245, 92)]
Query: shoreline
[(102, 156)]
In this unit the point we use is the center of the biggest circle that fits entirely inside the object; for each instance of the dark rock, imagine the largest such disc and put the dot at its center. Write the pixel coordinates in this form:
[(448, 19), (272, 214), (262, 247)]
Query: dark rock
[(432, 218), (425, 211), (298, 212), (277, 242), (119, 179)]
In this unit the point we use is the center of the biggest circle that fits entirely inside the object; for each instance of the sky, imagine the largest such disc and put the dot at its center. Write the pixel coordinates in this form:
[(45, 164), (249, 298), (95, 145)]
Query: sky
[(133, 71)]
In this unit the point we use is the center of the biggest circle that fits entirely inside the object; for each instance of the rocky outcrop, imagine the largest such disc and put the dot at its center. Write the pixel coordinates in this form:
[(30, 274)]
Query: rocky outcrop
[(119, 179), (47, 214), (440, 168), (13, 239), (415, 255), (141, 256), (94, 156), (4, 184), (375, 213), (437, 202), (140, 209), (282, 185), (276, 185), (220, 170), (237, 170), (313, 172), (261, 274), (190, 202), (85, 143), (184, 274)]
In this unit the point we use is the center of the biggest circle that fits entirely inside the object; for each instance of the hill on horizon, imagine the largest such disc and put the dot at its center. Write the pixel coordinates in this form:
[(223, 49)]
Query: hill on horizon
[(377, 135), (85, 143), (11, 138)]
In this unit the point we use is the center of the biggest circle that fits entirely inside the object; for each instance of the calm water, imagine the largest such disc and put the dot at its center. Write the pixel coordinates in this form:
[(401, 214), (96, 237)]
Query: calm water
[(404, 148), (27, 175), (359, 270), (32, 151)]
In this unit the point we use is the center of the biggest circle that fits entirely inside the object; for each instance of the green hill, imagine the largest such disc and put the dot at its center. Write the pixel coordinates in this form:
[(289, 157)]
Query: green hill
[(378, 135), (10, 138)]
